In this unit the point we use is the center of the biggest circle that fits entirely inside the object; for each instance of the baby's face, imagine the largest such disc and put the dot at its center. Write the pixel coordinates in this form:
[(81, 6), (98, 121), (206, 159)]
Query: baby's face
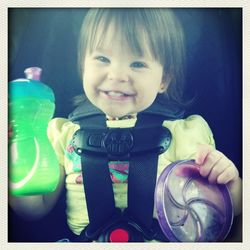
[(119, 82)]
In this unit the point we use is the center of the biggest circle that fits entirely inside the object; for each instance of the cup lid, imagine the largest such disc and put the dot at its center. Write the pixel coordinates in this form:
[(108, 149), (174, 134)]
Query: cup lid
[(189, 208), (31, 86)]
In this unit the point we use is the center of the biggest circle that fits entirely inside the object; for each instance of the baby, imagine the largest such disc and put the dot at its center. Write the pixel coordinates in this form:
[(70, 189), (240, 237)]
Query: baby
[(131, 59)]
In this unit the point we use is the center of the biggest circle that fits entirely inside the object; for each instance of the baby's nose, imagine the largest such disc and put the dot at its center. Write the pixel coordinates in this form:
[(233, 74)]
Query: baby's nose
[(118, 74)]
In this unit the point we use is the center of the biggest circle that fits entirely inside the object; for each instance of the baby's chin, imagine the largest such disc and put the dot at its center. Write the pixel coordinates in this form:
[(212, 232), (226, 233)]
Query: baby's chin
[(111, 110)]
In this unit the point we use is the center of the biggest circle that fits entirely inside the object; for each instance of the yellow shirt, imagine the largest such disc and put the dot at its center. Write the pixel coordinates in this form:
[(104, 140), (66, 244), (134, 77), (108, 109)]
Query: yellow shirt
[(187, 134)]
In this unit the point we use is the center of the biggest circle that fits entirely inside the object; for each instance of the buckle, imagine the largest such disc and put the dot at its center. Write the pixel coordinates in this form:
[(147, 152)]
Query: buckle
[(121, 231), (120, 143)]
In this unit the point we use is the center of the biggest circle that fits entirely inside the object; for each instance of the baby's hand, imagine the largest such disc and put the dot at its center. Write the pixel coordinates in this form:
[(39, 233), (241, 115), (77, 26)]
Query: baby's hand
[(215, 165), (219, 169)]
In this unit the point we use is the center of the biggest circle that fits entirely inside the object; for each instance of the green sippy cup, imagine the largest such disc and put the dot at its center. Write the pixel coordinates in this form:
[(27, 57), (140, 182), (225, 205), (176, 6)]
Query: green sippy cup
[(33, 165)]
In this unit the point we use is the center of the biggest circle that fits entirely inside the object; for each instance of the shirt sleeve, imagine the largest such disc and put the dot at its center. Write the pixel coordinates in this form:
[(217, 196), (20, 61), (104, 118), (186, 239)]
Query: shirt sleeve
[(187, 134), (60, 131)]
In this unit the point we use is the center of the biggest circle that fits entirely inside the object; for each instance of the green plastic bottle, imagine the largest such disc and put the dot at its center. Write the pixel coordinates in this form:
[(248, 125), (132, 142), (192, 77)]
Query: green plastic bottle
[(33, 165)]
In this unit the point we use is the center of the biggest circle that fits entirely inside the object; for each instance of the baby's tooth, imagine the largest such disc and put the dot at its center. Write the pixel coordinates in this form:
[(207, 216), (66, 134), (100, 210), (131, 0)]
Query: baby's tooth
[(112, 93)]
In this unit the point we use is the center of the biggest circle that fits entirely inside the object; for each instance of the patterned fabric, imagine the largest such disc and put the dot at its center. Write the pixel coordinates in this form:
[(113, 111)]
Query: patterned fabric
[(118, 170), (73, 157)]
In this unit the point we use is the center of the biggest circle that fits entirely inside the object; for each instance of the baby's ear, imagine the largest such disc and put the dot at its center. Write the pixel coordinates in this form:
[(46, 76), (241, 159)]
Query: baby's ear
[(166, 79)]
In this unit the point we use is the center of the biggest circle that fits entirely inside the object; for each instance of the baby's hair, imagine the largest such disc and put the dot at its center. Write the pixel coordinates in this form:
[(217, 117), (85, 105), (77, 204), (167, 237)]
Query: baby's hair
[(159, 27)]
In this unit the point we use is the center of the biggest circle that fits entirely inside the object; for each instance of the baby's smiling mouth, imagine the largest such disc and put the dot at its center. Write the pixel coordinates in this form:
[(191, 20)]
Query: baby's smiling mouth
[(117, 95)]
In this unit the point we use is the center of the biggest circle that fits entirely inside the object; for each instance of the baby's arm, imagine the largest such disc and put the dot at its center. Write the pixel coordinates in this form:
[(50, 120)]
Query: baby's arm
[(219, 169), (36, 206)]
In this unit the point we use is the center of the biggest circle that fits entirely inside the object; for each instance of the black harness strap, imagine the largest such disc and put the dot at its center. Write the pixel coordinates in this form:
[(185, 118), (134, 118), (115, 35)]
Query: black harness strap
[(98, 191), (141, 184), (96, 176), (143, 172)]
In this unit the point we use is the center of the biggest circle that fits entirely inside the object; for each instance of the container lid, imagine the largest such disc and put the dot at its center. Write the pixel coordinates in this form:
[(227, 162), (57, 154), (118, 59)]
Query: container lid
[(189, 208), (31, 86)]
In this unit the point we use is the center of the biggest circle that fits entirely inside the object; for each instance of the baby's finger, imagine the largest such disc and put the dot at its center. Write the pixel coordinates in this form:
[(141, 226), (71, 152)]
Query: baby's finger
[(230, 174), (218, 168), (10, 131), (202, 152), (210, 161)]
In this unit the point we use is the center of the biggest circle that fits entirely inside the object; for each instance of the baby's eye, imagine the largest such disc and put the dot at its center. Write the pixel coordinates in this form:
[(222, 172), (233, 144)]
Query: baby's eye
[(102, 59), (138, 65)]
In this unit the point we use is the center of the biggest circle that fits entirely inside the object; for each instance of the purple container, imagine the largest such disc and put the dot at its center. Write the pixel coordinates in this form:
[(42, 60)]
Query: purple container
[(189, 208)]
